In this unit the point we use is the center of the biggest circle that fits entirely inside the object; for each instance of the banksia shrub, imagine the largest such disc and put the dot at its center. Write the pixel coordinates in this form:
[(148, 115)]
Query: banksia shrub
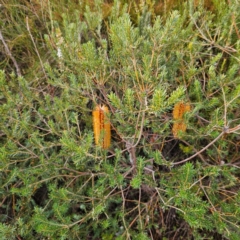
[(60, 178)]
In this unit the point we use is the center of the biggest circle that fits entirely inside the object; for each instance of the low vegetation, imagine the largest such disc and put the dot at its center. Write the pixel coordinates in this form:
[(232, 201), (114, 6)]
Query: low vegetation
[(164, 74)]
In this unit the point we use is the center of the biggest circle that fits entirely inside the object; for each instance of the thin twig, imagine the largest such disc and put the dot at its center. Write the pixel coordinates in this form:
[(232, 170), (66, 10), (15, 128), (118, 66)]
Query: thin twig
[(34, 44), (225, 107), (226, 130), (202, 150), (10, 55)]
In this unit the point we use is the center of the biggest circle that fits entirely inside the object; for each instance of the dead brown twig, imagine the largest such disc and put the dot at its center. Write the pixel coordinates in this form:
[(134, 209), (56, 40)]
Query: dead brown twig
[(226, 130), (8, 52)]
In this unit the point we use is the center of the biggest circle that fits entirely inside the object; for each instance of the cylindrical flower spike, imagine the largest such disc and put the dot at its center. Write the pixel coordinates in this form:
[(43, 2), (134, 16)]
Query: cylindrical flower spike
[(179, 109), (178, 112), (101, 126)]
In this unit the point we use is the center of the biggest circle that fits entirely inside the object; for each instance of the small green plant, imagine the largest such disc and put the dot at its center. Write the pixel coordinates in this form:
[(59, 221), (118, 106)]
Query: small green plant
[(57, 184)]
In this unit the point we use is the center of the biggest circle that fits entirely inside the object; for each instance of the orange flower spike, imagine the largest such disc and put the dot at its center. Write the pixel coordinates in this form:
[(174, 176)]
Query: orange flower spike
[(101, 126), (187, 107), (179, 109), (178, 112), (177, 127)]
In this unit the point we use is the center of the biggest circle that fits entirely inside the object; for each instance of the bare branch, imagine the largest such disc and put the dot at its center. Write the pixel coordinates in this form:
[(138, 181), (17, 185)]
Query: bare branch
[(8, 52)]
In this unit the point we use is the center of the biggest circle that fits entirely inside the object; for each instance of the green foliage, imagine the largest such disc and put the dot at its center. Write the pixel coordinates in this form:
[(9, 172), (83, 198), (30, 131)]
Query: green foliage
[(56, 184)]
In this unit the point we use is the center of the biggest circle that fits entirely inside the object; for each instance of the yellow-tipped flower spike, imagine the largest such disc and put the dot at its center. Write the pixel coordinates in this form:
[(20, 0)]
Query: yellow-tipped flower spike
[(179, 109), (101, 126), (178, 112)]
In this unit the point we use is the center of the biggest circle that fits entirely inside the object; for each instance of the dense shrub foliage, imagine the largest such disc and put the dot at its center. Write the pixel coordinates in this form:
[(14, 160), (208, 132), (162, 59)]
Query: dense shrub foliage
[(154, 181)]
